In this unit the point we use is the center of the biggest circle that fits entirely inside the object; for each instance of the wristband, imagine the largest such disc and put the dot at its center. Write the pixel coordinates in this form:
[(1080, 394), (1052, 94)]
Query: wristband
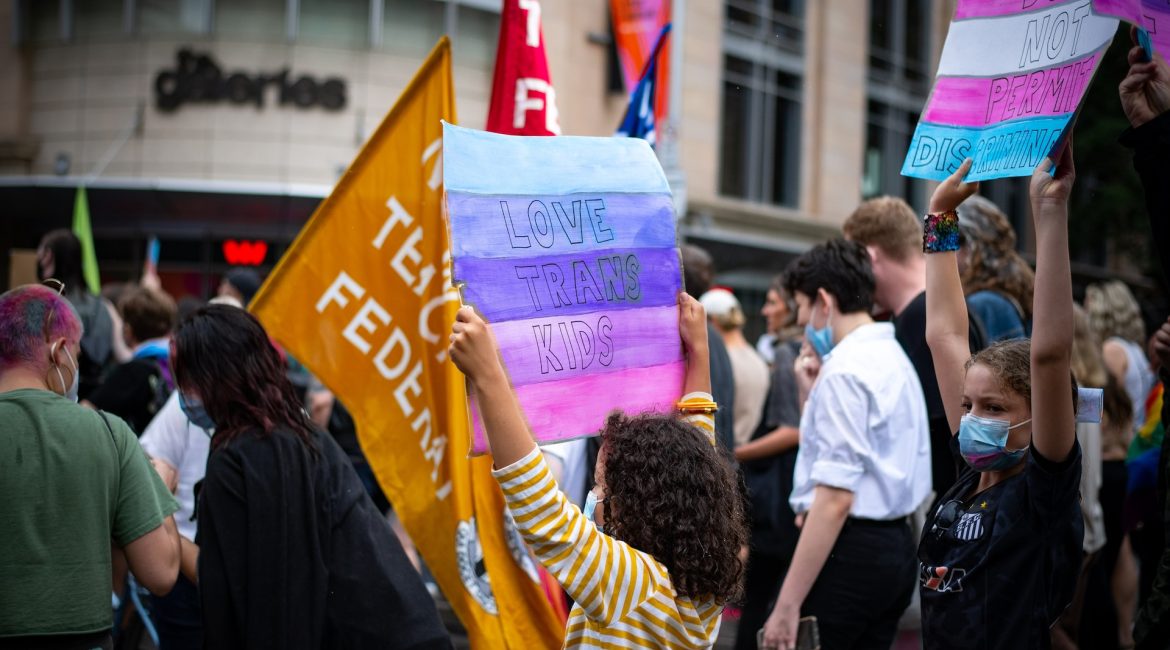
[(695, 406), (940, 232)]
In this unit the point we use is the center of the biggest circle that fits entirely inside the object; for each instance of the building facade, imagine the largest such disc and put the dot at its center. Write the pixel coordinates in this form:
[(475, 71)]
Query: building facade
[(218, 125)]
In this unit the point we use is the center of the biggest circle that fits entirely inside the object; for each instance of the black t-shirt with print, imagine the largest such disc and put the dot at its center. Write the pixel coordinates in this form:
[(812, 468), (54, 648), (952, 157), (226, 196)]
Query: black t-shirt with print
[(1006, 566)]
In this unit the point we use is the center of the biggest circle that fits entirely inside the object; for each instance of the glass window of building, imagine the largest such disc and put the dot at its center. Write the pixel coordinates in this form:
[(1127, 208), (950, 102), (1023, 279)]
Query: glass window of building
[(172, 16), (477, 33), (251, 20), (762, 85), (44, 20), (899, 78), (342, 23), (411, 27), (97, 20)]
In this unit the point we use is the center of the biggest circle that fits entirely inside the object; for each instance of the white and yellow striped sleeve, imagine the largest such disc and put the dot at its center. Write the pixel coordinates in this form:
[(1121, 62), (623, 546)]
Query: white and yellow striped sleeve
[(605, 576), (705, 421)]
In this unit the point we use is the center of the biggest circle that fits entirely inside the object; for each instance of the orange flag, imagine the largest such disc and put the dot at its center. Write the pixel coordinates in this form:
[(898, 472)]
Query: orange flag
[(364, 299)]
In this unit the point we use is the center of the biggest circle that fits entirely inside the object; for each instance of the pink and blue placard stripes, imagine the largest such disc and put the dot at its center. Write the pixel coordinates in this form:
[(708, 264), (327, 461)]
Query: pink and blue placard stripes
[(567, 246), (1011, 77)]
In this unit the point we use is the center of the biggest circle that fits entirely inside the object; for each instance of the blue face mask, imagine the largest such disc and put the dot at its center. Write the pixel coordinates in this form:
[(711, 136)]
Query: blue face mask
[(195, 412), (983, 443), (820, 338), (591, 502)]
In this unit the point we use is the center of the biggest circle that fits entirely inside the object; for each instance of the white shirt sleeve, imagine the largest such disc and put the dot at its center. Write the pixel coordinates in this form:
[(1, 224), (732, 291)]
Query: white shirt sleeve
[(838, 434), (166, 435)]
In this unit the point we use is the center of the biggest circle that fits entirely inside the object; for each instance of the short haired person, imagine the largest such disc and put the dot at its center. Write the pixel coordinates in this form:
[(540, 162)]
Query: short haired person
[(1001, 554), (74, 484), (59, 257), (136, 390), (864, 460), (892, 235)]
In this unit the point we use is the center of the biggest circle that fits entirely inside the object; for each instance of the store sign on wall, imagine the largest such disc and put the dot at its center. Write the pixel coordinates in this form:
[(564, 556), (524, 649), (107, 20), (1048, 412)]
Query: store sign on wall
[(198, 79), (245, 253)]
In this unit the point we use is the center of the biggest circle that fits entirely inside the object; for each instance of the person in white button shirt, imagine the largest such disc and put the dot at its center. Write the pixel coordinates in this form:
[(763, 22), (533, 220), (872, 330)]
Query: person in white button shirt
[(864, 460)]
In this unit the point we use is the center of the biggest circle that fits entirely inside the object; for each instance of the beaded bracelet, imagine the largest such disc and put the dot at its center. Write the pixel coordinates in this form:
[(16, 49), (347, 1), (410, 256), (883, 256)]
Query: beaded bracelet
[(694, 406), (940, 232)]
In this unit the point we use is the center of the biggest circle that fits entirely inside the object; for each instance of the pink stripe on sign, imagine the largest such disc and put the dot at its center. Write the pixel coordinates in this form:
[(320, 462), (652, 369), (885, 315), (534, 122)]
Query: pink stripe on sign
[(562, 347), (980, 101), (575, 408), (965, 9)]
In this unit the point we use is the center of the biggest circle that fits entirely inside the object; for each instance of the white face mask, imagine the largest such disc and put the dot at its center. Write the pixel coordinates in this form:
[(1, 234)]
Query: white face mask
[(590, 508), (70, 392)]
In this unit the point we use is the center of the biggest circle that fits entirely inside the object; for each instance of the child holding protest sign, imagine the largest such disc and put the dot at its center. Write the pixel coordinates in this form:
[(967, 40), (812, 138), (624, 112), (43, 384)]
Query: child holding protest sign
[(653, 557), (999, 556)]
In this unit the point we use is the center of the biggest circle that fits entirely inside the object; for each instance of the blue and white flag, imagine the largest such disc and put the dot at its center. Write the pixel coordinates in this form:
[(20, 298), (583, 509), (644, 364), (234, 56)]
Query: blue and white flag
[(639, 119)]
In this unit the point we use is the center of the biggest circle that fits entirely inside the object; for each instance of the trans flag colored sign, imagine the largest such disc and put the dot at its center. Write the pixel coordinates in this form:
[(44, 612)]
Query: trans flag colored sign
[(567, 247), (1012, 76)]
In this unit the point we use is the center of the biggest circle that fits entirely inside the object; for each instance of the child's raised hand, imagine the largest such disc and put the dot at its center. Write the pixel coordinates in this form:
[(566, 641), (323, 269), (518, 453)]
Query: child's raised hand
[(473, 347), (954, 190), (1047, 188), (692, 323)]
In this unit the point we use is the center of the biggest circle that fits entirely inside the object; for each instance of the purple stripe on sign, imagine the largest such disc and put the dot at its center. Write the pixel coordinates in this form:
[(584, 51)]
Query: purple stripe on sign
[(573, 408), (979, 101), (965, 9), (553, 349), (564, 285), (533, 226)]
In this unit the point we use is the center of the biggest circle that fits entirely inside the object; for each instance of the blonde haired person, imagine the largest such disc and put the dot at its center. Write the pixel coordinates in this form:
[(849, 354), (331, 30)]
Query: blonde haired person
[(748, 369), (1117, 319)]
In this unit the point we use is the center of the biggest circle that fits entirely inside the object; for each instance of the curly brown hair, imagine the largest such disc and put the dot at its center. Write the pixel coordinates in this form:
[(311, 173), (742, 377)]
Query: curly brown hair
[(1011, 363), (671, 494)]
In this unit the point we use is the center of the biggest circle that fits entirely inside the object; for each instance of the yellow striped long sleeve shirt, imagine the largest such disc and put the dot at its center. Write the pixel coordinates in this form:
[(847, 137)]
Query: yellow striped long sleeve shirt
[(624, 598)]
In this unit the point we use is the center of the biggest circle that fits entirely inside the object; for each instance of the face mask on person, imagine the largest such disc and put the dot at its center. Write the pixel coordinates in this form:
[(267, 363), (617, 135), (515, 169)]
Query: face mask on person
[(195, 412), (820, 338), (983, 443), (69, 392), (591, 502)]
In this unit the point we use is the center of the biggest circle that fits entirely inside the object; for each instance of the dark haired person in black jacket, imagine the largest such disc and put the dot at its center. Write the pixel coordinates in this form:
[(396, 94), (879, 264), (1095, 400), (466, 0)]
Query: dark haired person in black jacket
[(1145, 97)]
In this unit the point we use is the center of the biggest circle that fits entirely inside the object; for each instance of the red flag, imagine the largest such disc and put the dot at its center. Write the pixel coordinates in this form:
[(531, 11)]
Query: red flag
[(523, 99)]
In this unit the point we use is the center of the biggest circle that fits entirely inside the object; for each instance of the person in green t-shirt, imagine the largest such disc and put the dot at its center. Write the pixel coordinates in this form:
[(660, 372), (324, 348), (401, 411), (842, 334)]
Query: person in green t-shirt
[(73, 484)]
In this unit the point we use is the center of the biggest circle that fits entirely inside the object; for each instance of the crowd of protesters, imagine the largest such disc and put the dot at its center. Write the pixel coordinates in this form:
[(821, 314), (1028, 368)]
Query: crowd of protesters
[(928, 422)]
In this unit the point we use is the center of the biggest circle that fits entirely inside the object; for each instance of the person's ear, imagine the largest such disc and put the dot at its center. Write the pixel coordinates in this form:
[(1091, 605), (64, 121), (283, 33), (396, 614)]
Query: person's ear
[(826, 300)]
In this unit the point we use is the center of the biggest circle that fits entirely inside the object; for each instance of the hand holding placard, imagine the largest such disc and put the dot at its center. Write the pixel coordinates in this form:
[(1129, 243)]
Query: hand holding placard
[(1145, 90)]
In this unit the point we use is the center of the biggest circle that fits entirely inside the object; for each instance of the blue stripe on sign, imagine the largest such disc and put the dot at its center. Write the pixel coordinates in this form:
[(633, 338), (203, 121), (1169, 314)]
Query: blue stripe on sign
[(999, 151), (479, 162)]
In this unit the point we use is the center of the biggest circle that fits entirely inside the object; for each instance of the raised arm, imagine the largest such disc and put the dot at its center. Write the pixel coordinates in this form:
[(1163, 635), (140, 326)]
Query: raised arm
[(692, 328), (946, 308), (475, 353), (1053, 420)]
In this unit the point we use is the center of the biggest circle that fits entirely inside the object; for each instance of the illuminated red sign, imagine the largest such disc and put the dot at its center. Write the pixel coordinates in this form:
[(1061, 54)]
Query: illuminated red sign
[(244, 253)]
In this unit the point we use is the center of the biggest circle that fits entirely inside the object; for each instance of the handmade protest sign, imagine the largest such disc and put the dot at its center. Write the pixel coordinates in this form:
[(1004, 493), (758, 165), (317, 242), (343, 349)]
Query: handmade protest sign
[(567, 247), (1011, 77)]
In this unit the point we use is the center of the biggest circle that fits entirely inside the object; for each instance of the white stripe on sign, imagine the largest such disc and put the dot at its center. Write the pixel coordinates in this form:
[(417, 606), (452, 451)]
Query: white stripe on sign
[(993, 47)]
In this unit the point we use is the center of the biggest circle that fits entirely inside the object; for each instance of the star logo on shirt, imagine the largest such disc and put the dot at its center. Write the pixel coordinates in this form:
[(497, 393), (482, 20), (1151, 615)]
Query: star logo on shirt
[(983, 505)]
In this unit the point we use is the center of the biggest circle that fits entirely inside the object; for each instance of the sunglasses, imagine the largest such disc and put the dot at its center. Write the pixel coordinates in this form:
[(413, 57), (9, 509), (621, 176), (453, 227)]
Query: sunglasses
[(59, 287), (948, 514)]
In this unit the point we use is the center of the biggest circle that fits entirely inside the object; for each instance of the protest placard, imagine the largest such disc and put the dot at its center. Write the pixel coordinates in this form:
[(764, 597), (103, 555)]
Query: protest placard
[(1011, 77), (363, 299), (567, 247)]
